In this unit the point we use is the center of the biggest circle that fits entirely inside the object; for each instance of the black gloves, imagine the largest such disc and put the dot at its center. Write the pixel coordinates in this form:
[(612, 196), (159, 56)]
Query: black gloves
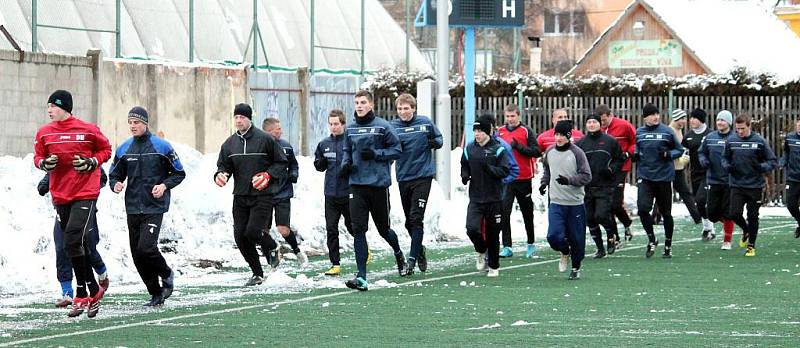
[(347, 168), (562, 180), (635, 157), (432, 144), (626, 155), (49, 163), (84, 164), (293, 179), (663, 152), (543, 189), (517, 146), (464, 180), (367, 154)]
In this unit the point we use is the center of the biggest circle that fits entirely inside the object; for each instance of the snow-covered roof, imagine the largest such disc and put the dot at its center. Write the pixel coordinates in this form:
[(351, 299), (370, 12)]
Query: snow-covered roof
[(724, 34), (159, 29)]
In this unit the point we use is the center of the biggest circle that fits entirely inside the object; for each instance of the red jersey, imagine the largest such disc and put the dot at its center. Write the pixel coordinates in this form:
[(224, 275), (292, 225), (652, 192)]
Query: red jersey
[(66, 139), (549, 138), (625, 134), (527, 138)]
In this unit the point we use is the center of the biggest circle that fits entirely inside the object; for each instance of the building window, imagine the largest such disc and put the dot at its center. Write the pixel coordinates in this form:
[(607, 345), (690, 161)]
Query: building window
[(564, 22)]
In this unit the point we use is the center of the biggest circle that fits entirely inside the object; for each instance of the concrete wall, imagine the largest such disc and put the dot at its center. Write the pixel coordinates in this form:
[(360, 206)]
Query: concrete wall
[(192, 105), (25, 87)]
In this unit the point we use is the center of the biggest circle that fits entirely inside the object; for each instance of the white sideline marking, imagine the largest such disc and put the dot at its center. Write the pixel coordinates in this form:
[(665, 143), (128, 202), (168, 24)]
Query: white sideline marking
[(311, 298)]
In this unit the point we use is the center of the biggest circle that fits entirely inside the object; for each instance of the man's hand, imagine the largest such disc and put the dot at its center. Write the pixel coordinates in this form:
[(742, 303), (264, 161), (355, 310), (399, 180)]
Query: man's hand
[(84, 164), (517, 146), (158, 190), (432, 144), (464, 180), (221, 179), (118, 187), (261, 181), (49, 164), (562, 180), (347, 168), (543, 189)]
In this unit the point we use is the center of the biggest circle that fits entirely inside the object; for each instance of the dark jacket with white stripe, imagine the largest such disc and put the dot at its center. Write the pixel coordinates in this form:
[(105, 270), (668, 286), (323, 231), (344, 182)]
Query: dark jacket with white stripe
[(604, 156), (485, 167), (790, 160), (651, 141), (710, 157), (292, 172), (146, 161), (747, 160), (370, 132), (244, 156), (416, 160), (328, 158)]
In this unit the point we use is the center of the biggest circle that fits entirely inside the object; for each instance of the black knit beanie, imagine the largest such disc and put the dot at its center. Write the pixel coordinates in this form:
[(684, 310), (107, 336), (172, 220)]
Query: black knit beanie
[(243, 110), (62, 99)]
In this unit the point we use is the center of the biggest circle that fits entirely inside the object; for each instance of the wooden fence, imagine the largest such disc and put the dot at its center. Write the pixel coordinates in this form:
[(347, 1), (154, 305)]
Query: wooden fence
[(773, 116)]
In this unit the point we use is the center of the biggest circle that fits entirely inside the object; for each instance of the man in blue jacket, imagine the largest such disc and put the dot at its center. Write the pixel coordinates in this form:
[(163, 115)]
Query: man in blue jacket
[(790, 161), (719, 191), (152, 169), (371, 145), (415, 169), (748, 157), (282, 202), (328, 159), (656, 148)]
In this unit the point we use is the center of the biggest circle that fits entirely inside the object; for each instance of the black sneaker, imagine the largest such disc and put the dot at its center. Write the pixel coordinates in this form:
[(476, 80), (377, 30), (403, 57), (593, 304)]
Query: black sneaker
[(409, 269), (168, 284), (601, 253), (155, 301), (651, 249), (422, 262), (705, 235), (612, 246), (628, 234), (797, 232), (273, 257), (401, 263), (254, 280), (575, 274), (667, 253)]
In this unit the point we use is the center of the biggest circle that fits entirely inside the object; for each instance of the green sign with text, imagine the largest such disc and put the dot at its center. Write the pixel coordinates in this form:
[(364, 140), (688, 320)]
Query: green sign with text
[(631, 54)]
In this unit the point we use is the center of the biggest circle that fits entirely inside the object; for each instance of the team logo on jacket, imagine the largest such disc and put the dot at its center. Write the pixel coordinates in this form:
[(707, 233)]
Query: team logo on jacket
[(423, 128)]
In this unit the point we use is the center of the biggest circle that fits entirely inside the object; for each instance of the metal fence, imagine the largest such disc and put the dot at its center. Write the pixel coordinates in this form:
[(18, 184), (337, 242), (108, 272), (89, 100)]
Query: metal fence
[(773, 116)]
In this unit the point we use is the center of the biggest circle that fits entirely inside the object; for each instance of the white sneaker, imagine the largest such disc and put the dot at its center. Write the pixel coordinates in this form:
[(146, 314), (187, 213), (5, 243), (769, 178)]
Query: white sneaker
[(480, 263), (726, 246), (493, 273), (708, 225), (302, 259), (563, 264)]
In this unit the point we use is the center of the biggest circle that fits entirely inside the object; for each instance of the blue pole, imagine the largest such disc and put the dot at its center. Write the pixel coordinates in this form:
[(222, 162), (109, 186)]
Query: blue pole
[(469, 84)]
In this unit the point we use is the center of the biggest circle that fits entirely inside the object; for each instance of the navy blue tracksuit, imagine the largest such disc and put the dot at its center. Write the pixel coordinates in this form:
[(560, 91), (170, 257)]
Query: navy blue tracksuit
[(415, 169), (656, 148), (710, 158), (790, 162), (747, 160), (369, 149), (328, 158)]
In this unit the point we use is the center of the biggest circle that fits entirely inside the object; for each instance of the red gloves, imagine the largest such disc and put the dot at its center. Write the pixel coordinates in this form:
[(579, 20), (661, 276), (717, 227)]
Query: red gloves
[(261, 181)]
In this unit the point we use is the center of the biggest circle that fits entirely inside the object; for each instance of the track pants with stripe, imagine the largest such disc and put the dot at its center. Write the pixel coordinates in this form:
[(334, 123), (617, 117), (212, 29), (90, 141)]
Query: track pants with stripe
[(483, 229), (75, 221), (366, 201), (143, 231)]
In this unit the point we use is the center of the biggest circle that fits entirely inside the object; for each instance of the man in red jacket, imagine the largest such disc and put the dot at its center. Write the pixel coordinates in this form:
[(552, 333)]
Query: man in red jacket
[(523, 143), (71, 150), (549, 137), (625, 135)]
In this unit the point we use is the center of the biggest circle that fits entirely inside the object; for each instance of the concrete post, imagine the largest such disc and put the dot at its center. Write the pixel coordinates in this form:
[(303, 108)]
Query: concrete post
[(303, 78), (536, 60), (96, 56)]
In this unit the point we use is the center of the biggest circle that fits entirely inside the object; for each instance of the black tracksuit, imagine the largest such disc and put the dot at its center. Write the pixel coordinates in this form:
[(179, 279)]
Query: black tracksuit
[(605, 159), (790, 162), (146, 161), (243, 156), (692, 141), (484, 167), (328, 158)]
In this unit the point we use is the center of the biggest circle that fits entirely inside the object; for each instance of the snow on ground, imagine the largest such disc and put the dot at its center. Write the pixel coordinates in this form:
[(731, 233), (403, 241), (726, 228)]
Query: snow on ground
[(199, 226)]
